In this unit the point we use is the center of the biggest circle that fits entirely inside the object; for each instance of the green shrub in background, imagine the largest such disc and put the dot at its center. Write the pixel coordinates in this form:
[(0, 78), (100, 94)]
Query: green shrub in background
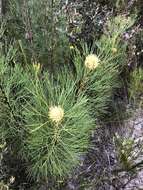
[(136, 87), (50, 117), (12, 98), (40, 27)]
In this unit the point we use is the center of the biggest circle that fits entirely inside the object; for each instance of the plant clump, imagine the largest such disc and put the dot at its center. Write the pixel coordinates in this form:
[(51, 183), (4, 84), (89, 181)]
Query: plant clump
[(49, 101)]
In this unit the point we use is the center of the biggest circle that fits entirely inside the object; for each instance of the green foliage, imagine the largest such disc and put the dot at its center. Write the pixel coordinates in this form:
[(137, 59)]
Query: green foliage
[(47, 118), (40, 26), (12, 97), (2, 170), (99, 84), (136, 87), (125, 148), (111, 46), (54, 148), (51, 149), (119, 5)]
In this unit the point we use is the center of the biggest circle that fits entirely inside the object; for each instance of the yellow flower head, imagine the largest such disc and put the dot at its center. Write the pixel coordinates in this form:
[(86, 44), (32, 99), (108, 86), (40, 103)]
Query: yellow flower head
[(71, 47), (91, 61), (114, 50), (56, 114), (37, 67)]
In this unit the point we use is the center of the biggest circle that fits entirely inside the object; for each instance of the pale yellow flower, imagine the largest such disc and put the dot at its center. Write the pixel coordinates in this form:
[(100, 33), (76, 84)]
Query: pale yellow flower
[(36, 67), (114, 50), (71, 47), (56, 114), (91, 61)]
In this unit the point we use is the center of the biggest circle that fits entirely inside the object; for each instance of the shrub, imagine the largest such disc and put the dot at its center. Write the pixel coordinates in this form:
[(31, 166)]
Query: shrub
[(136, 87), (100, 82), (47, 118), (58, 126), (40, 28)]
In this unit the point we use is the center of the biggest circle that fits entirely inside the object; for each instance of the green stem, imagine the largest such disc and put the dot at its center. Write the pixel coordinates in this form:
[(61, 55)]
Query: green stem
[(22, 50), (7, 102)]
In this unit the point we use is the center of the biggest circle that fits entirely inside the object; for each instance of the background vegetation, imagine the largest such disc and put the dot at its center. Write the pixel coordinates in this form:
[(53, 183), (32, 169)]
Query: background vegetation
[(66, 70)]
